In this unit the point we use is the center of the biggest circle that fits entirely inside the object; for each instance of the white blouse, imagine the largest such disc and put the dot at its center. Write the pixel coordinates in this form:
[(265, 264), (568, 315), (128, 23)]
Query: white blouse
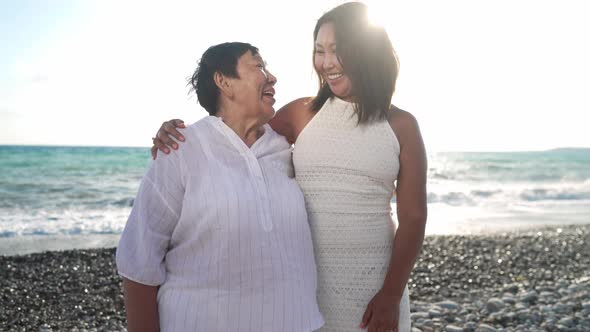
[(222, 229)]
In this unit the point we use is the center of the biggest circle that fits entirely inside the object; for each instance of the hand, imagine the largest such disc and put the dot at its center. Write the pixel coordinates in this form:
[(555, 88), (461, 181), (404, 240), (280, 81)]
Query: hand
[(162, 139), (382, 313)]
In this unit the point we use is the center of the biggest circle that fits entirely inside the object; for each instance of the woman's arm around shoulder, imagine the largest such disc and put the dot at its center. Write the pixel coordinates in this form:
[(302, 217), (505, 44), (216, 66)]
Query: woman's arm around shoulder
[(290, 119)]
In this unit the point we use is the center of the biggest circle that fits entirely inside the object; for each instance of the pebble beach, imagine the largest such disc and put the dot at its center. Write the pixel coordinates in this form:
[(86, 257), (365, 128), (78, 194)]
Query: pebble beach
[(531, 280)]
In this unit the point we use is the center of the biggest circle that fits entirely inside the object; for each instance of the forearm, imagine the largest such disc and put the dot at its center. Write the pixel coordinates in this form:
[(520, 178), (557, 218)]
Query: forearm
[(141, 305), (406, 248)]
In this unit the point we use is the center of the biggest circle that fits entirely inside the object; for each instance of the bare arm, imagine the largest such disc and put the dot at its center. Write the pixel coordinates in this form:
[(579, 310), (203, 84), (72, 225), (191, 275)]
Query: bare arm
[(141, 306), (411, 202), (383, 310)]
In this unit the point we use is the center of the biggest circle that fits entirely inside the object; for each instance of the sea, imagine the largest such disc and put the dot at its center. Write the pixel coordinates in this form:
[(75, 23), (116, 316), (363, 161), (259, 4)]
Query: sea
[(57, 197)]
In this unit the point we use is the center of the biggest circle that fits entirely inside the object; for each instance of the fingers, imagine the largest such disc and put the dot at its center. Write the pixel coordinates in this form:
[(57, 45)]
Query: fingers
[(376, 323), (366, 318), (178, 123), (154, 152), (158, 145), (163, 139), (166, 131), (170, 129), (382, 326), (387, 329)]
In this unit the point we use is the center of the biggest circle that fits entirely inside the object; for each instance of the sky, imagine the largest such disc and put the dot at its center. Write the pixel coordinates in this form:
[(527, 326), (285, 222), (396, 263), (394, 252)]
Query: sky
[(498, 75)]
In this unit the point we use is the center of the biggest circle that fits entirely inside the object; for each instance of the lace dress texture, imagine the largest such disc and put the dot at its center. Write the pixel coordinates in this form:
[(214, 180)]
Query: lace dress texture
[(347, 173)]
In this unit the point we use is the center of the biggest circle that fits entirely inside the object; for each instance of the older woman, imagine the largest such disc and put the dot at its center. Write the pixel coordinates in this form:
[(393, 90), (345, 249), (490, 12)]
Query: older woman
[(218, 238)]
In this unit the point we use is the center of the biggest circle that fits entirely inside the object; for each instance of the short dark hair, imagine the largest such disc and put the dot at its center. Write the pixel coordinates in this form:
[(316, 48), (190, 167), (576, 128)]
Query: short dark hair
[(367, 57), (222, 58)]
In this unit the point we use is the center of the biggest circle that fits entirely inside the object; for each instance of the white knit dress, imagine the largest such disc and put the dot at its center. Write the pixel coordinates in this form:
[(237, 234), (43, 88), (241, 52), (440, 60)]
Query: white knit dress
[(347, 174)]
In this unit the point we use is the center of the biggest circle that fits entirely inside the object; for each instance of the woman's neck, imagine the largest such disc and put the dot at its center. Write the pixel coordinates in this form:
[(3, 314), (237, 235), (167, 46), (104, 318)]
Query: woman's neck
[(249, 130)]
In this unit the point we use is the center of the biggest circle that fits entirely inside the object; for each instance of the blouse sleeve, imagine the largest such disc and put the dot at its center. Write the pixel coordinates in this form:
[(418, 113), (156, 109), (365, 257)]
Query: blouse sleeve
[(156, 209)]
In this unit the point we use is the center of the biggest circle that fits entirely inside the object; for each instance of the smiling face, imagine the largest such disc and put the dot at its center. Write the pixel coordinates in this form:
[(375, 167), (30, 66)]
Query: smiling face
[(253, 89), (327, 63)]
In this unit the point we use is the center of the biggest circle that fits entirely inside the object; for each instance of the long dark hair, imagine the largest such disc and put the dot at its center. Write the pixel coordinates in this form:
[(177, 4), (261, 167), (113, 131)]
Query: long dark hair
[(367, 57)]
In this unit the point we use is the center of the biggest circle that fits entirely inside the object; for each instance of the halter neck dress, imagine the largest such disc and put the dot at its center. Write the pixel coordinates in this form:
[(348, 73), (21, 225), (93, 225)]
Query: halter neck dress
[(347, 173)]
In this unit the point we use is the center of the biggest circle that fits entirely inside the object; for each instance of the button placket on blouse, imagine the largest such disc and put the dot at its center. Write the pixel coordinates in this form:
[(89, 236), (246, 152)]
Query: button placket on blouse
[(254, 169), (260, 189)]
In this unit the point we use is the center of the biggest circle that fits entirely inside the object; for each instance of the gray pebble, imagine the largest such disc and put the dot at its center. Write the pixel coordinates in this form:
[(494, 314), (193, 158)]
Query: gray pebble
[(434, 313), (563, 308), (508, 299), (531, 296), (453, 328), (566, 321), (417, 315), (450, 305), (494, 304), (45, 328), (485, 328)]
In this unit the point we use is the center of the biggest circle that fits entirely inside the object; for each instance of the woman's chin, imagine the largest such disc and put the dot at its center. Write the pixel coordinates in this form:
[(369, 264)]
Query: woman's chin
[(268, 113), (340, 93)]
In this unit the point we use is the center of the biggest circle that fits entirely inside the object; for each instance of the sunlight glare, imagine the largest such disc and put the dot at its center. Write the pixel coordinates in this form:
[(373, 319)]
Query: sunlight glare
[(378, 12)]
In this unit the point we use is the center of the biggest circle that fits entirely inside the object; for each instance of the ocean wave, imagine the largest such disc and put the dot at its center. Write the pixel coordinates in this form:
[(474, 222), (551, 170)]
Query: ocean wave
[(475, 197), (541, 166), (71, 200), (507, 175), (451, 198), (543, 194), (124, 202), (485, 193), (44, 232), (80, 221)]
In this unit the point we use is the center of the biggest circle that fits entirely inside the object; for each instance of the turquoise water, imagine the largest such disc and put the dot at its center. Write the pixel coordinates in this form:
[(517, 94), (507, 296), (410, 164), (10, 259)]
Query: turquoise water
[(483, 191), (54, 191), (67, 190)]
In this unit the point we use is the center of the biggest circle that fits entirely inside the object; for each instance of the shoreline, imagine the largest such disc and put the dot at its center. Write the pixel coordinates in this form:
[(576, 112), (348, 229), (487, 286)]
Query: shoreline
[(32, 244), (535, 279)]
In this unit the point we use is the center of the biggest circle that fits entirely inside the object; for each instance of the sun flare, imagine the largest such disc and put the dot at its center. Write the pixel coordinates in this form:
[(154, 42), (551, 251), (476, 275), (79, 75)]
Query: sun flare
[(378, 12)]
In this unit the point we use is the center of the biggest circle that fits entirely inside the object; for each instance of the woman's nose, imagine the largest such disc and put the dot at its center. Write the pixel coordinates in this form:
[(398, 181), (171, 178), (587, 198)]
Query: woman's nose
[(329, 61), (270, 77)]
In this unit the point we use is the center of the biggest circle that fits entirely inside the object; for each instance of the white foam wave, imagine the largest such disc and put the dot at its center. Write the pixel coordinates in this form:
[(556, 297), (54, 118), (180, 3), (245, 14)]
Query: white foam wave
[(473, 195), (20, 222)]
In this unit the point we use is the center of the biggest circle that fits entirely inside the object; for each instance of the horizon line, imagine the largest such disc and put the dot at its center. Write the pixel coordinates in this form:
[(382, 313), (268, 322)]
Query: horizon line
[(431, 151)]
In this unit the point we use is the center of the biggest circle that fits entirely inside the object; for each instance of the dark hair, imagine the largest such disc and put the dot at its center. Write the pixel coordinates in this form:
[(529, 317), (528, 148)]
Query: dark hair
[(367, 57), (222, 58)]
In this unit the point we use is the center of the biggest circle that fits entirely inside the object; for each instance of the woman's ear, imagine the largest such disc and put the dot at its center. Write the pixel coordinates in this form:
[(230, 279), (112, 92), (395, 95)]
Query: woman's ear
[(224, 84)]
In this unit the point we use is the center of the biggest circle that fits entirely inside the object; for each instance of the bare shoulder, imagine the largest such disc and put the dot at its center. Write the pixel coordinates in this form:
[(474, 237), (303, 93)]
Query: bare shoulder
[(294, 110), (292, 118), (404, 124), (298, 104)]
